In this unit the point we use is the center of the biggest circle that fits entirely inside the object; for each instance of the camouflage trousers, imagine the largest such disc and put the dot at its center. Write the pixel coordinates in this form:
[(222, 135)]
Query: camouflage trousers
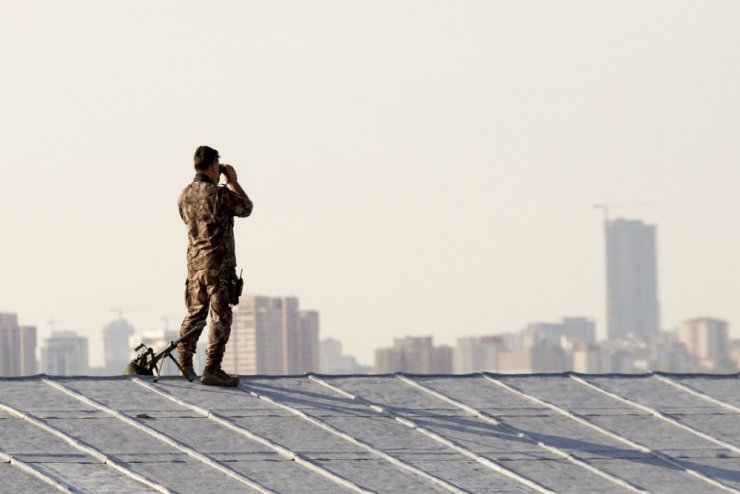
[(207, 291)]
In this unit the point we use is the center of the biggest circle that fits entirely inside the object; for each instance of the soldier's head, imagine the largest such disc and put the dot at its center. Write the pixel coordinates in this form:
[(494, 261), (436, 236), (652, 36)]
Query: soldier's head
[(206, 161), (205, 157)]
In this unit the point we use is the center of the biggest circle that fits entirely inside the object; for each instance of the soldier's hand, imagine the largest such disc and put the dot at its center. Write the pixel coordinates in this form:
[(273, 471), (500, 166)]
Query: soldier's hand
[(230, 173)]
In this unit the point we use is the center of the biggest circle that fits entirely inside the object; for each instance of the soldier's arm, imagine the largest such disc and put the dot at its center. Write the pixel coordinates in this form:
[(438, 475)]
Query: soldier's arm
[(234, 186), (241, 204)]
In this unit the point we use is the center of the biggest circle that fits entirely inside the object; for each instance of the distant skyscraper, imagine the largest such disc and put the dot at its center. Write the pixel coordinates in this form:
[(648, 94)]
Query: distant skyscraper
[(116, 350), (414, 354), (17, 347), (632, 280), (333, 360), (588, 358), (64, 354), (307, 343), (27, 351), (533, 359), (270, 335), (477, 354), (705, 338), (9, 336), (575, 329)]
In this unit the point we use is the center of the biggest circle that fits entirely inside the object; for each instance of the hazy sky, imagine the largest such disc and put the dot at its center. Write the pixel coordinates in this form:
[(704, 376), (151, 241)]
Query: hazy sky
[(417, 167)]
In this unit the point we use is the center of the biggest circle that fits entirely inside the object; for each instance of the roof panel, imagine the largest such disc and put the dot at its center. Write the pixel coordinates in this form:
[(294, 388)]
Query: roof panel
[(573, 437), (391, 393), (95, 477), (386, 434), (120, 394), (653, 432), (483, 438), (564, 476), (305, 395), (479, 393), (471, 476), (40, 399), (233, 402), (657, 476), (657, 394), (208, 437), (192, 477), (725, 470), (300, 436), (722, 426), (17, 481), (568, 394), (379, 476), (723, 388), (286, 477), (19, 437), (112, 436)]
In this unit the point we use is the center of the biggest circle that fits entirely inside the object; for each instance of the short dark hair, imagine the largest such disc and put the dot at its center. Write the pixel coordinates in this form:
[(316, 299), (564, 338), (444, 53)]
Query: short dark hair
[(204, 157)]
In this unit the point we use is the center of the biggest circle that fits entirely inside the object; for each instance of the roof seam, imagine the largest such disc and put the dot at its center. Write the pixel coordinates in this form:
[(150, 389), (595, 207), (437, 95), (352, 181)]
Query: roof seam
[(46, 477), (659, 415), (696, 392), (493, 465), (514, 430), (348, 437), (84, 447), (239, 429), (163, 438)]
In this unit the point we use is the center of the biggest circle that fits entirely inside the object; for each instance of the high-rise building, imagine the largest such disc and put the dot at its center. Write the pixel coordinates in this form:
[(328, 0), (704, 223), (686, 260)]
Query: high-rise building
[(588, 358), (575, 329), (116, 348), (17, 347), (477, 354), (442, 359), (64, 354), (632, 280), (333, 360), (9, 337), (529, 360), (388, 360), (27, 351), (271, 335), (705, 338), (307, 344), (415, 355)]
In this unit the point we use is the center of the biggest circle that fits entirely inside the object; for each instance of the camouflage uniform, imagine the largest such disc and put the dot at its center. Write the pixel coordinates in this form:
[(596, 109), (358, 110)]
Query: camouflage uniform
[(208, 212)]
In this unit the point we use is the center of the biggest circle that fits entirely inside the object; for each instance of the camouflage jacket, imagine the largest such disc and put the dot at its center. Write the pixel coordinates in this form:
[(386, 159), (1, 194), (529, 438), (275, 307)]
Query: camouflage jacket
[(208, 212)]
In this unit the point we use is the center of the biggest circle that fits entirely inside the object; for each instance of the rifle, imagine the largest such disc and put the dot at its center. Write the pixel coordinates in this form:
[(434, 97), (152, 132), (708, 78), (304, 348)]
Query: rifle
[(148, 363)]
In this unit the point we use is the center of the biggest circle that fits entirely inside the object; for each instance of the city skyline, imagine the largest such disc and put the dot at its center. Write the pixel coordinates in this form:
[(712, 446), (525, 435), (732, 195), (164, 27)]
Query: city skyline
[(274, 337), (102, 362), (416, 168)]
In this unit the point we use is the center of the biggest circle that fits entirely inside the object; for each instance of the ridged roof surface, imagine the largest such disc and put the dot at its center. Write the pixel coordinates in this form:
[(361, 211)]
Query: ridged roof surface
[(483, 433)]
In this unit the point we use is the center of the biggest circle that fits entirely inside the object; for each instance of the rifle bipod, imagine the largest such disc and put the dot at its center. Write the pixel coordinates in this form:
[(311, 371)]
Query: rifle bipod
[(148, 363)]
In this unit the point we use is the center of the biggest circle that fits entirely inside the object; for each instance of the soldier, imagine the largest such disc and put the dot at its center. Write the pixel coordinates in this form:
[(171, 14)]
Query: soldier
[(208, 212)]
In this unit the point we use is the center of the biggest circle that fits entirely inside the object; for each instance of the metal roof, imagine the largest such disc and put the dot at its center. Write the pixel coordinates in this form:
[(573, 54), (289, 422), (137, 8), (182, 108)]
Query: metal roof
[(482, 433)]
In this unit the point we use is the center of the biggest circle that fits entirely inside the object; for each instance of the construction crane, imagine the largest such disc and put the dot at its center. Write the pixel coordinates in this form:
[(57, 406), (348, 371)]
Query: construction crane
[(120, 310), (606, 206), (53, 323)]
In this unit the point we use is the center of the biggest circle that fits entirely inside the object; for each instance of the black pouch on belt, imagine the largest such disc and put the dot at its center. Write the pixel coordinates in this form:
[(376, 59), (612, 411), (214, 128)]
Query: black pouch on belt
[(236, 289)]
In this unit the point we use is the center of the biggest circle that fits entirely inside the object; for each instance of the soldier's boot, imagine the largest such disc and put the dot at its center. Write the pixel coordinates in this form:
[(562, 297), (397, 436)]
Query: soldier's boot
[(213, 375), (186, 362)]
